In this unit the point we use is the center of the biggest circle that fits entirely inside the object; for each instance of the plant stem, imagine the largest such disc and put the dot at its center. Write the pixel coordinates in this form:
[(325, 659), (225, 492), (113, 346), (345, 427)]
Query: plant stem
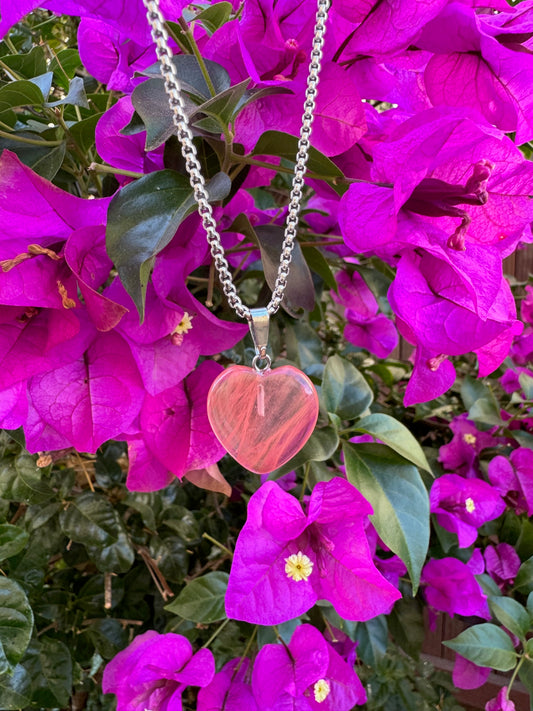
[(514, 675), (29, 141), (215, 633), (100, 168), (217, 544), (307, 468), (190, 36)]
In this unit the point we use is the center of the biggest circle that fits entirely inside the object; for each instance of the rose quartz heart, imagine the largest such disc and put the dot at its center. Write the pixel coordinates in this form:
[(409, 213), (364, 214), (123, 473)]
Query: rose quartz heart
[(262, 418)]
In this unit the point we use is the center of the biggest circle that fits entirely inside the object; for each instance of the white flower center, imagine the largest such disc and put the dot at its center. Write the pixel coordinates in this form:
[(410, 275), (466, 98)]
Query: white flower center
[(321, 690), (298, 567), (469, 438), (470, 505)]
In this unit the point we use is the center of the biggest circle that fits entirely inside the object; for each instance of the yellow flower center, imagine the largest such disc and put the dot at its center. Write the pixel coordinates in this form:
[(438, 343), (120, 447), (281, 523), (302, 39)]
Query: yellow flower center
[(469, 438), (298, 566), (470, 505), (321, 690), (184, 325)]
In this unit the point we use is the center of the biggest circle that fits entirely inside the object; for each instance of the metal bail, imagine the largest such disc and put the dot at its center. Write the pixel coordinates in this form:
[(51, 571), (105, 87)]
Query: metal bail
[(259, 322)]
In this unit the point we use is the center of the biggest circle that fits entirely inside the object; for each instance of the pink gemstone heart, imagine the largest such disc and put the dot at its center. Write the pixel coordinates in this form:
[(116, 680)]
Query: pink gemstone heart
[(262, 418)]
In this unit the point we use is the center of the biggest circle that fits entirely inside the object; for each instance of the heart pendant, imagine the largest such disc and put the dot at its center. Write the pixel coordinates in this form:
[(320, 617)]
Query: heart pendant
[(262, 418)]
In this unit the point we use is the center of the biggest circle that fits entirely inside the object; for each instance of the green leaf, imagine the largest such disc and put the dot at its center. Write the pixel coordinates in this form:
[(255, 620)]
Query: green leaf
[(486, 645), (191, 76), (214, 16), (20, 480), (12, 540), (276, 143), (526, 383), (202, 600), (300, 291), (399, 499), (143, 218), (303, 345), (319, 447), (29, 65), (44, 160), (108, 636), (64, 65), (171, 556), (117, 557), (345, 390), (396, 436), (525, 674), (373, 639), (479, 400), (83, 132), (76, 95), (524, 578), (91, 519), (16, 620), (511, 614), (530, 605), (406, 624), (50, 665), (15, 690), (20, 93), (319, 265)]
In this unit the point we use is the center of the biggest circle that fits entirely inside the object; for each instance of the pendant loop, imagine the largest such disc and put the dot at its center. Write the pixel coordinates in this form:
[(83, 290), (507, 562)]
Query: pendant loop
[(259, 322)]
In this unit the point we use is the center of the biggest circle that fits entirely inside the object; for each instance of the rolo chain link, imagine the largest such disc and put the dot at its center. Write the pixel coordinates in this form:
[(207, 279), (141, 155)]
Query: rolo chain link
[(192, 164)]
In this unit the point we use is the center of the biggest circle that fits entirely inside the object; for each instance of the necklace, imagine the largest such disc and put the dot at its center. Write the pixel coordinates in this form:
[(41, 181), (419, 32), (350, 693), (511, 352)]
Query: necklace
[(262, 417)]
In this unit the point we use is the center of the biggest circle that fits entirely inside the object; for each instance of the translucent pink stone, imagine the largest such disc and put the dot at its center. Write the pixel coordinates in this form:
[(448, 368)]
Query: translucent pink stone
[(262, 419)]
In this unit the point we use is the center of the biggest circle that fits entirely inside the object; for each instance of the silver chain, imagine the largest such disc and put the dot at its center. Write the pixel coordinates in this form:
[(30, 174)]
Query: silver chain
[(184, 133)]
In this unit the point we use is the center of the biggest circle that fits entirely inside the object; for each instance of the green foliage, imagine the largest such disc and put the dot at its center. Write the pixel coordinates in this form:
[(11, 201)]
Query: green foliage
[(486, 645), (399, 499)]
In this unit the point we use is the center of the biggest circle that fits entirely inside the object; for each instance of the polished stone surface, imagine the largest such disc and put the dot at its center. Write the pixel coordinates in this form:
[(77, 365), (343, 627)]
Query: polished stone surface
[(262, 419)]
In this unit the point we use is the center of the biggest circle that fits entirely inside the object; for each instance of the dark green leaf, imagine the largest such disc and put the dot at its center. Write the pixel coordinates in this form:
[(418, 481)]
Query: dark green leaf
[(20, 480), (50, 665), (320, 446), (303, 345), (319, 264), (511, 614), (143, 218), (300, 291), (117, 557), (183, 522), (171, 556), (76, 95), (29, 65), (486, 645), (345, 390), (215, 16), (91, 519), (223, 106), (20, 93), (406, 623), (15, 690), (202, 600), (44, 160), (480, 401), (373, 638), (12, 540), (396, 436), (191, 76), (83, 132), (16, 620), (276, 143), (108, 636), (399, 499), (524, 578), (64, 66), (151, 105)]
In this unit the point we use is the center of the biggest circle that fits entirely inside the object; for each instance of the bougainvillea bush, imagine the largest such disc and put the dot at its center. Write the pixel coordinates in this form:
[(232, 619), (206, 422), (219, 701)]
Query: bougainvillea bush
[(143, 568)]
